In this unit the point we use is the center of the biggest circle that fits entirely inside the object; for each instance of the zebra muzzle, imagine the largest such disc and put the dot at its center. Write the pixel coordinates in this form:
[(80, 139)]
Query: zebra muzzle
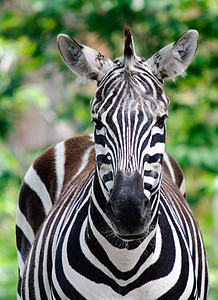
[(128, 209)]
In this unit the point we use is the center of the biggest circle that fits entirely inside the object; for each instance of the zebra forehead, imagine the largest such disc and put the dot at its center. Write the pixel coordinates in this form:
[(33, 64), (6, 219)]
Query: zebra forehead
[(129, 90)]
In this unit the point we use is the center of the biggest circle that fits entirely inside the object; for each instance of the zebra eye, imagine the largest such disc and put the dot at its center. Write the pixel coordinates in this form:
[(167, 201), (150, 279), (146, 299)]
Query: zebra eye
[(98, 124), (160, 122)]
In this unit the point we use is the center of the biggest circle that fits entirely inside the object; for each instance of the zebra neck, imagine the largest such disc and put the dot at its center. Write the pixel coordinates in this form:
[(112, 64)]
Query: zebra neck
[(119, 257)]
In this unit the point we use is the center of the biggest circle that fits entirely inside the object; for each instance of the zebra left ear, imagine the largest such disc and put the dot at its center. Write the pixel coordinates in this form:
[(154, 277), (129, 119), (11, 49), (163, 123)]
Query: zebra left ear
[(175, 58), (82, 60)]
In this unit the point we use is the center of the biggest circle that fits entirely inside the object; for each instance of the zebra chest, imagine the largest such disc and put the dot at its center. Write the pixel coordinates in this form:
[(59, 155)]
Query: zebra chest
[(87, 268)]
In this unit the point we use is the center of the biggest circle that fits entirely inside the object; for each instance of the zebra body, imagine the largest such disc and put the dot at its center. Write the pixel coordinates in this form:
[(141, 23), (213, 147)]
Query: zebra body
[(112, 221)]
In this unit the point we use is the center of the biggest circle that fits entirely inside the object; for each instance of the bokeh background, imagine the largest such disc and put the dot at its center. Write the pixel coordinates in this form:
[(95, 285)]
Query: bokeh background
[(41, 102)]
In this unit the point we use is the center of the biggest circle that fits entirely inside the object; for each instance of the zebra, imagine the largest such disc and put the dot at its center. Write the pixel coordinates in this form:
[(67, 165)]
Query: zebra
[(104, 216)]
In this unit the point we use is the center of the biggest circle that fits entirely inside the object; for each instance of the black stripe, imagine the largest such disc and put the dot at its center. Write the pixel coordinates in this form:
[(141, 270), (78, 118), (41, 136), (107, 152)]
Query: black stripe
[(23, 245), (158, 138), (29, 199)]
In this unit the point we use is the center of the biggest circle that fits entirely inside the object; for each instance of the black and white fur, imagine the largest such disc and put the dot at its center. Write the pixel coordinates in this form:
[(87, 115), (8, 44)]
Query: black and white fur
[(116, 225)]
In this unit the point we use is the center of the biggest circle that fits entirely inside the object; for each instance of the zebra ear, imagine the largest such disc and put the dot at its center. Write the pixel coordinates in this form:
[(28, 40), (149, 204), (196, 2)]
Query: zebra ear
[(175, 58), (82, 60)]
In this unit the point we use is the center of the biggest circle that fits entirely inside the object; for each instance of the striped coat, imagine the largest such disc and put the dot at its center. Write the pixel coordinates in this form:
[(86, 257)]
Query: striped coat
[(106, 217), (66, 165)]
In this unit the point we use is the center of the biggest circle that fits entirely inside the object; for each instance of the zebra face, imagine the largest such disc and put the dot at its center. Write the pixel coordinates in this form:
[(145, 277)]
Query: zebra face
[(129, 111)]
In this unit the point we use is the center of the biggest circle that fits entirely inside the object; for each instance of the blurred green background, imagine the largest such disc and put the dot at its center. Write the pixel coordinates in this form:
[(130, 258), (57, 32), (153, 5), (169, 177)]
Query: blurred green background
[(41, 103)]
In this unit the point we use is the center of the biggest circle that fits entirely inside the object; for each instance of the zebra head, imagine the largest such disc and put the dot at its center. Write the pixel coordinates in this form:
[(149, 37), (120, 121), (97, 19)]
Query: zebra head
[(129, 111)]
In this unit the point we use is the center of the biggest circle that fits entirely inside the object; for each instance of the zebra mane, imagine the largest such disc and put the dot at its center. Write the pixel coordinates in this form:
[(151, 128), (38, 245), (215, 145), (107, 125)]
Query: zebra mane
[(129, 50)]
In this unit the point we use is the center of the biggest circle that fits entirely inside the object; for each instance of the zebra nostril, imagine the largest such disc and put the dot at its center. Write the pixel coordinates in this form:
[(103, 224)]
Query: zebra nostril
[(145, 207), (108, 157)]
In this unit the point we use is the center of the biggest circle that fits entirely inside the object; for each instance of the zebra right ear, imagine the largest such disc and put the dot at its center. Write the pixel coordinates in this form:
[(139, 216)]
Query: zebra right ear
[(175, 58), (82, 60)]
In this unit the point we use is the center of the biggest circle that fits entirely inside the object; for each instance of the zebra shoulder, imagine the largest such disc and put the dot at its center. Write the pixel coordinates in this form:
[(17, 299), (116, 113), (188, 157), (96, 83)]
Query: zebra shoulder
[(173, 171), (44, 179), (43, 183), (79, 158)]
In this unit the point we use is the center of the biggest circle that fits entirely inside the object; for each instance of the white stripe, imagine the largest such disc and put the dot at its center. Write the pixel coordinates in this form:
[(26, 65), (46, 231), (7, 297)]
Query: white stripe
[(18, 297), (204, 266), (20, 263), (57, 287), (23, 224), (36, 264), (169, 165), (84, 162), (91, 137), (182, 187), (59, 165), (25, 288), (35, 183)]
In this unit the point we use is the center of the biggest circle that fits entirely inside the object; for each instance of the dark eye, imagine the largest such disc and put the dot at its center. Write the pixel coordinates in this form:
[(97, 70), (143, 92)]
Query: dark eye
[(98, 124), (161, 121)]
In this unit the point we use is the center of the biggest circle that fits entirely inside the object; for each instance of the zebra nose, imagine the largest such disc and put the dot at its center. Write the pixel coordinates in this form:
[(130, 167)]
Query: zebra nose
[(128, 208)]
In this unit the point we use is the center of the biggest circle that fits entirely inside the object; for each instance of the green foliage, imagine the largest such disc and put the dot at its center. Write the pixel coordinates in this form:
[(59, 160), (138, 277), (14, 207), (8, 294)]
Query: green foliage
[(78, 110), (29, 58), (9, 183)]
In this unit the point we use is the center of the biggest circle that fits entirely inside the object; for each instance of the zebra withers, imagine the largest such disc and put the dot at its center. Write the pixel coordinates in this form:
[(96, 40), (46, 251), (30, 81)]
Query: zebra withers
[(112, 220)]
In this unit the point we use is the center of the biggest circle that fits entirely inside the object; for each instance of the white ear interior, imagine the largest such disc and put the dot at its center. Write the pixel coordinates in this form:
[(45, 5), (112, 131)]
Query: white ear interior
[(70, 51), (185, 48)]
